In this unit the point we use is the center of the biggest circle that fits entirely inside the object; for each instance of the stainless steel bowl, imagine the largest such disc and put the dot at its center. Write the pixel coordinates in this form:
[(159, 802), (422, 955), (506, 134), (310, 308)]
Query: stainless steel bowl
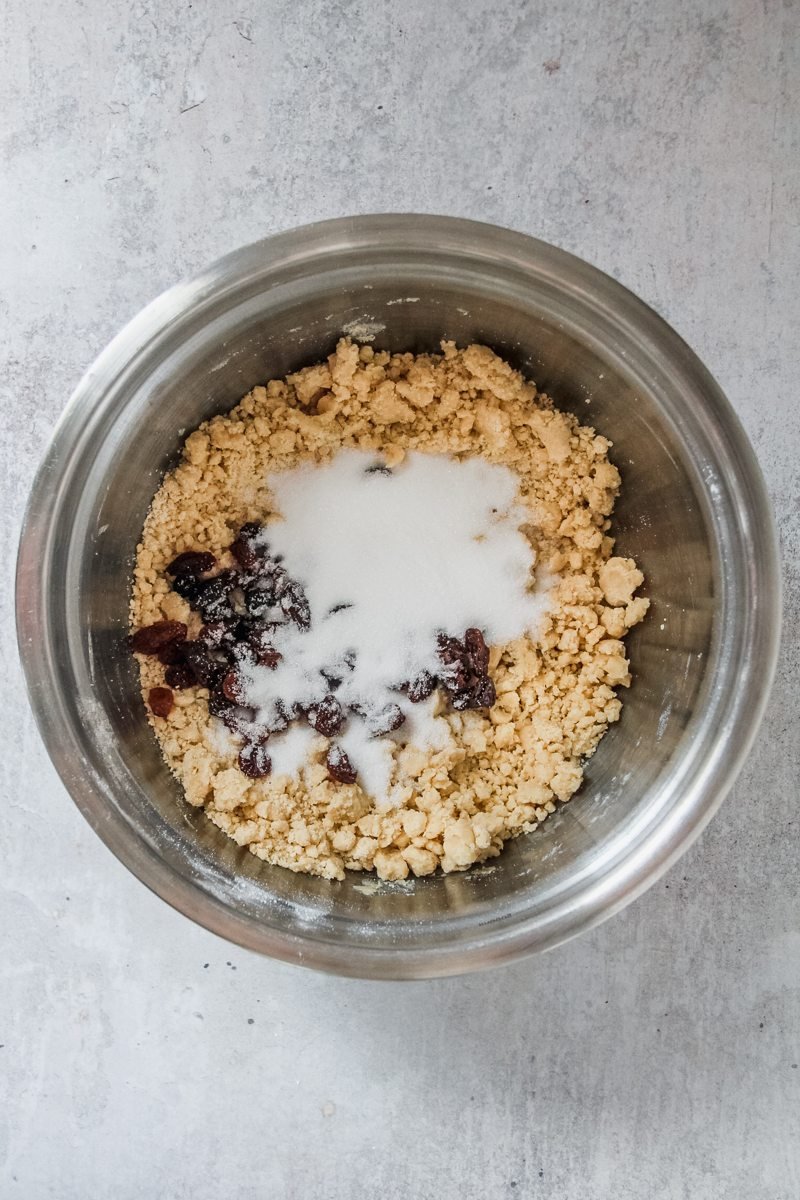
[(693, 512)]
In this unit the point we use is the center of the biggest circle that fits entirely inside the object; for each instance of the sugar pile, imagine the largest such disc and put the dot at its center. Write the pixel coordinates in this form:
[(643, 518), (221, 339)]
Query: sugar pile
[(388, 559)]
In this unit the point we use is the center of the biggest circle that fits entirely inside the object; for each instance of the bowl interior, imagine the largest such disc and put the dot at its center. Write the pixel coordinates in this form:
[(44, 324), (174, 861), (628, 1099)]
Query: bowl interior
[(266, 327), (693, 512)]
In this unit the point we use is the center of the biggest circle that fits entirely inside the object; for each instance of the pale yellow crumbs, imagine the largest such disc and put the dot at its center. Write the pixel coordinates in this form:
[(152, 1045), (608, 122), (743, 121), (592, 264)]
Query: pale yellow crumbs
[(502, 771)]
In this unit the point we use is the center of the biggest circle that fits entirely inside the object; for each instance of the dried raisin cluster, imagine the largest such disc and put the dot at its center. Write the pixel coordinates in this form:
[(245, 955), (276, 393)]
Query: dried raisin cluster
[(241, 608)]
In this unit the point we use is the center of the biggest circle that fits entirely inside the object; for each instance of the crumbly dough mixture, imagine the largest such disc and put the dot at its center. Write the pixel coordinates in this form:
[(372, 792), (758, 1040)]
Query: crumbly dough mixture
[(503, 771)]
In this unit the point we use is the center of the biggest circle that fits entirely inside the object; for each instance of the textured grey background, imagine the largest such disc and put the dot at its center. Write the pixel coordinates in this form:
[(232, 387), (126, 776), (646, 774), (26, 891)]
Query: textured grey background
[(655, 1057)]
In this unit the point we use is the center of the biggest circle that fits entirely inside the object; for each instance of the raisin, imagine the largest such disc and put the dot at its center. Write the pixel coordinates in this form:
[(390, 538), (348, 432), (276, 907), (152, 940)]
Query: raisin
[(280, 582), (192, 562), (265, 653), (449, 648), (483, 694), (296, 606), (455, 677), (244, 552), (237, 718), (258, 639), (388, 719), (214, 634), (452, 656), (171, 654), (421, 687), (180, 676), (208, 671), (290, 710), (152, 638), (161, 701), (268, 657), (189, 587), (477, 651), (339, 766), (246, 549), (254, 760), (233, 688), (218, 706), (465, 670), (213, 600), (260, 598), (480, 694), (326, 717), (250, 530)]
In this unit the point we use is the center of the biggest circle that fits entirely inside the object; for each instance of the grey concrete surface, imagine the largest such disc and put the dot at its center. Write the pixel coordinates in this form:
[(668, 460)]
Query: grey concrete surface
[(658, 1056)]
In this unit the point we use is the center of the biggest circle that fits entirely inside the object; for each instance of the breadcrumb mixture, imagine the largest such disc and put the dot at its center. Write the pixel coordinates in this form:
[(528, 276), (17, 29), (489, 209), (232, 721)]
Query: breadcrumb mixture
[(502, 772)]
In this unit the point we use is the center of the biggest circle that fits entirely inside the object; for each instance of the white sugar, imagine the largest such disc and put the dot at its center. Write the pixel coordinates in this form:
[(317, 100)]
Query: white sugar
[(371, 757), (288, 751), (433, 546)]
